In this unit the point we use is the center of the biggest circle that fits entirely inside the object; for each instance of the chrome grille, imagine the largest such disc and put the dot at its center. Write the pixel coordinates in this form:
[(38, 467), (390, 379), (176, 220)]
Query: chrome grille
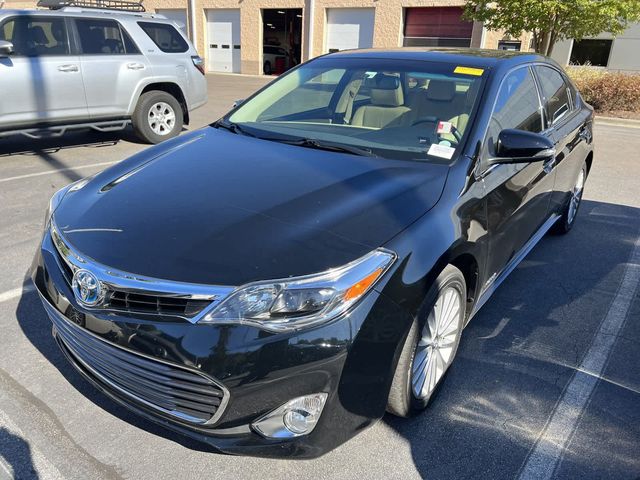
[(174, 391)]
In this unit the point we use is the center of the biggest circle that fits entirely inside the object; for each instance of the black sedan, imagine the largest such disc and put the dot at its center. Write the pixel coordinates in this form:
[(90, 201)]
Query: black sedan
[(275, 282)]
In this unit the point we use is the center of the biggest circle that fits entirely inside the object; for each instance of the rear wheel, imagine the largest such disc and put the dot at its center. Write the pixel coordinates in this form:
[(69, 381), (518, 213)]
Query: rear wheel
[(157, 117), (570, 211), (431, 345), (267, 68)]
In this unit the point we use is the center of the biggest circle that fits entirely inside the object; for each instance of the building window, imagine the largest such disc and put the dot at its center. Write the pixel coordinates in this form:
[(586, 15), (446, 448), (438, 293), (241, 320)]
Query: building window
[(591, 52), (509, 45)]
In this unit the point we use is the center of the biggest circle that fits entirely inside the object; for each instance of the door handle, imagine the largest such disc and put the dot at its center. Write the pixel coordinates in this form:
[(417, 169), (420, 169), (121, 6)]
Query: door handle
[(548, 165), (68, 68), (135, 66), (585, 134)]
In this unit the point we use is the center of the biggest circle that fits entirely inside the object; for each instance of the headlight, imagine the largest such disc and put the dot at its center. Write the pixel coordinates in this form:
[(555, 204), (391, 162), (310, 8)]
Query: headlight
[(295, 303), (57, 197)]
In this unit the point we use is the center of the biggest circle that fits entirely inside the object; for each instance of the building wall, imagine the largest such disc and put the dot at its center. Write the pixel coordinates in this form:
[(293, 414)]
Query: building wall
[(624, 54)]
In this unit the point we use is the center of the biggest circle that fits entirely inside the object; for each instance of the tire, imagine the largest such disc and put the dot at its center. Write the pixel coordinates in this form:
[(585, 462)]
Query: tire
[(570, 211), (403, 400), (267, 68), (167, 112)]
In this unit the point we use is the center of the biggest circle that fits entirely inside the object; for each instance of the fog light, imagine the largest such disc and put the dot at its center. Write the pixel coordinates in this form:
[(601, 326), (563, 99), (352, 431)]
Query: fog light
[(295, 418)]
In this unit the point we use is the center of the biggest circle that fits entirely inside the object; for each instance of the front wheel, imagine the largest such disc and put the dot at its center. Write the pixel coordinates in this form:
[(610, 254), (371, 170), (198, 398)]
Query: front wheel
[(157, 117), (430, 346), (570, 212)]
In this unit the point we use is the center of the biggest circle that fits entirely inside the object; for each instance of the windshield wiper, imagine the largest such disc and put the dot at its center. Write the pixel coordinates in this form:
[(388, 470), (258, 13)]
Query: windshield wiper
[(232, 127), (321, 145)]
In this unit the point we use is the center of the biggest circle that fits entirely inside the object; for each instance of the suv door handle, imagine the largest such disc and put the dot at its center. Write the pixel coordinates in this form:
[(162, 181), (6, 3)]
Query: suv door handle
[(135, 66), (68, 68)]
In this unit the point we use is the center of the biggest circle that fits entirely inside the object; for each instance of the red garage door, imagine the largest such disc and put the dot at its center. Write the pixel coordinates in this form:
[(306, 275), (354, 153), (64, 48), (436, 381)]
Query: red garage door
[(436, 27)]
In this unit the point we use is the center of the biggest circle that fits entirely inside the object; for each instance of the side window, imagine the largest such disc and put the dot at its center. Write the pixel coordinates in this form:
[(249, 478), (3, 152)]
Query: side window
[(103, 37), (165, 36), (517, 106), (555, 92), (36, 36)]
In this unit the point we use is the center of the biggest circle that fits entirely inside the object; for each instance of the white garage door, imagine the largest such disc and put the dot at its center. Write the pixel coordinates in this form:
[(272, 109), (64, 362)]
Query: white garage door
[(176, 14), (349, 28), (223, 40)]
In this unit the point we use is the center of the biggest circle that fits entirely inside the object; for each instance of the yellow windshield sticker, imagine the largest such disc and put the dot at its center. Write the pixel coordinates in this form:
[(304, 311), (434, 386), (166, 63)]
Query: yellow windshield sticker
[(469, 71)]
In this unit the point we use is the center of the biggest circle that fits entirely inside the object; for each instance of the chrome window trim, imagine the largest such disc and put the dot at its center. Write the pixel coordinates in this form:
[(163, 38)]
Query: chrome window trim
[(118, 280), (51, 310)]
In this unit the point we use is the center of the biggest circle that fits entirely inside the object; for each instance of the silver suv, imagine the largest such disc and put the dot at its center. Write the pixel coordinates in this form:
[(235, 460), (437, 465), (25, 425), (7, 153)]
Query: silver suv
[(73, 67)]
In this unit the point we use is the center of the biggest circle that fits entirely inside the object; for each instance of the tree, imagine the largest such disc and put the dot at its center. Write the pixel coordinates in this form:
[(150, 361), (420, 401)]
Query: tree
[(551, 21)]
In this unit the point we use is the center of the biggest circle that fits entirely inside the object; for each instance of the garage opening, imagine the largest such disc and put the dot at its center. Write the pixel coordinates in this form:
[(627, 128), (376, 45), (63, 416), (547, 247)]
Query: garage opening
[(436, 27), (282, 39)]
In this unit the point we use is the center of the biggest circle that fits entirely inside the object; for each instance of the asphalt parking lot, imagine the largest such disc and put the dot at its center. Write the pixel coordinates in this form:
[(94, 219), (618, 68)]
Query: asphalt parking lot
[(546, 382)]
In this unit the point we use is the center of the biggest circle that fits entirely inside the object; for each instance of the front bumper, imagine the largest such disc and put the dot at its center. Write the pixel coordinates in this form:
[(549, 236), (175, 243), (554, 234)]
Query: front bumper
[(351, 358)]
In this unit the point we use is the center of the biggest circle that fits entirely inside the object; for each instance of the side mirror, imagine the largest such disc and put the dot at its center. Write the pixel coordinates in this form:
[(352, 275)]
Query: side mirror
[(6, 48), (237, 102), (518, 146)]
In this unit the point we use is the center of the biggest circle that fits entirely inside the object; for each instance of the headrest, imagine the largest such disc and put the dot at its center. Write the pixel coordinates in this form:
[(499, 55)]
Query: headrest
[(386, 91), (37, 35), (441, 90)]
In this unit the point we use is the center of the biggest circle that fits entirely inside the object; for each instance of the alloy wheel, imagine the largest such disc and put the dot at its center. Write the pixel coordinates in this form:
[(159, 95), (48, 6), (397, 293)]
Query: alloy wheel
[(162, 118), (576, 197), (438, 343)]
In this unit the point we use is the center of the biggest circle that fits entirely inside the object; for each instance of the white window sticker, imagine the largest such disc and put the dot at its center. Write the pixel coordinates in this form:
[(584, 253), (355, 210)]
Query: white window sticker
[(441, 151)]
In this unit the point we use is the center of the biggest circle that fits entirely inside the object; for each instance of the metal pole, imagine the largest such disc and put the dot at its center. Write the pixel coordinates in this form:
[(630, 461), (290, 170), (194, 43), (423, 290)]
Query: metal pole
[(193, 23)]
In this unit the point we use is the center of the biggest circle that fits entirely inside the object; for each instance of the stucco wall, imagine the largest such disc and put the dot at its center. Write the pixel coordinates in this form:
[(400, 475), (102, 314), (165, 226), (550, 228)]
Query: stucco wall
[(624, 54)]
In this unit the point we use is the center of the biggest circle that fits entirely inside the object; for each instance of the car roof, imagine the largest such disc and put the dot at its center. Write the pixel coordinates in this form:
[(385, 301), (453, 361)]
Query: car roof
[(474, 57)]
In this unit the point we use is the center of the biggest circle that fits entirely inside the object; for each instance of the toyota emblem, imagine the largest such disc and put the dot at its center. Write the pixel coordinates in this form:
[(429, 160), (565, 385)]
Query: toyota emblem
[(87, 288)]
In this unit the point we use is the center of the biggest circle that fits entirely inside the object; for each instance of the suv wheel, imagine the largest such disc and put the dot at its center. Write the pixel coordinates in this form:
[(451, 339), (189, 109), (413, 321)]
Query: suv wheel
[(157, 117), (267, 68), (431, 345)]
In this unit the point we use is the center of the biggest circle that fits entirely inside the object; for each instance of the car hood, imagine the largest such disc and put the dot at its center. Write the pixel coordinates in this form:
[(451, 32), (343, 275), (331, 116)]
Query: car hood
[(214, 207)]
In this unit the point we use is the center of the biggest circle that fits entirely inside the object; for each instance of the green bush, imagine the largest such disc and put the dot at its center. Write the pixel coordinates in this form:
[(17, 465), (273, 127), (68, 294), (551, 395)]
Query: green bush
[(607, 91)]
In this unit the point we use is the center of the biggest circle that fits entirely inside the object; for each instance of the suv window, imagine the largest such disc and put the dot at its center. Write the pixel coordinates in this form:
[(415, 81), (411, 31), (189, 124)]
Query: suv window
[(167, 38), (104, 37), (517, 106), (555, 92), (36, 36)]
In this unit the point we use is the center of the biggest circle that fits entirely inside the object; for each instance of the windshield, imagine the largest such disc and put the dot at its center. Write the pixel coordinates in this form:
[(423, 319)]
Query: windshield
[(389, 108)]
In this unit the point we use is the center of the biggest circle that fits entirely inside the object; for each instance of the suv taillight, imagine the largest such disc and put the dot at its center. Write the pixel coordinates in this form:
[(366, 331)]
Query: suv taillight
[(198, 63)]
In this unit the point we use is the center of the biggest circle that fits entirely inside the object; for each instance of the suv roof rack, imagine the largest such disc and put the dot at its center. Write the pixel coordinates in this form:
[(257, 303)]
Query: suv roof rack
[(120, 5)]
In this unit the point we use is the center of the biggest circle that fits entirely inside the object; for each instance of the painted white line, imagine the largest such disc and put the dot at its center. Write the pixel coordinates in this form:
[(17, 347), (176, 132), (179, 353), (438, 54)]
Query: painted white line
[(543, 459), (16, 292), (51, 172)]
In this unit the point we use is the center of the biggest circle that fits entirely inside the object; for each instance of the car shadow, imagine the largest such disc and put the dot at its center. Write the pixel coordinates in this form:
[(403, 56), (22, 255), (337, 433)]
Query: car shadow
[(519, 352), (15, 453), (21, 145)]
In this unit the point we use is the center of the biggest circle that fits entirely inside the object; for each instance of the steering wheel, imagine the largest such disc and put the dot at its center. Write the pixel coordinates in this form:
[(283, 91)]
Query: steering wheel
[(432, 119)]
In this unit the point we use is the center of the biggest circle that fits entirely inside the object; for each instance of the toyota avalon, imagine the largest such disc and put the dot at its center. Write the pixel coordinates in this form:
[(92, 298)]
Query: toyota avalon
[(273, 283)]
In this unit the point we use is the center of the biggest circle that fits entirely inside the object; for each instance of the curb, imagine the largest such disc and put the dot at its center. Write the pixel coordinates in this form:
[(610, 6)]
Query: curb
[(617, 122)]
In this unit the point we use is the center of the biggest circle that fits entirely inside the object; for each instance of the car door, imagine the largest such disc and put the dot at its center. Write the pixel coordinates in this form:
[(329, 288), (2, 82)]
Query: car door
[(112, 66), (518, 195), (40, 82), (569, 127)]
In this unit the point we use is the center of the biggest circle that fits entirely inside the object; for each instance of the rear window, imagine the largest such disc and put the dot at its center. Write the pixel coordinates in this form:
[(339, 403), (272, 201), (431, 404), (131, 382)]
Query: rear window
[(165, 36)]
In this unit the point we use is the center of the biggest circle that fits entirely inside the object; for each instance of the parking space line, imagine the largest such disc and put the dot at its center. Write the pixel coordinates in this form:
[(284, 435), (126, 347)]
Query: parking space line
[(543, 460), (58, 170), (16, 292)]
